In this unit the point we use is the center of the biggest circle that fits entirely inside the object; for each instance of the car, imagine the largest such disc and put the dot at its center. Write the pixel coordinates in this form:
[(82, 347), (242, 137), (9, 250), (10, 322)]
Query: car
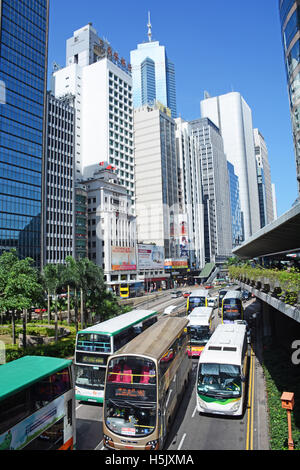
[(212, 302), (209, 286), (246, 295), (40, 310), (186, 294), (175, 294)]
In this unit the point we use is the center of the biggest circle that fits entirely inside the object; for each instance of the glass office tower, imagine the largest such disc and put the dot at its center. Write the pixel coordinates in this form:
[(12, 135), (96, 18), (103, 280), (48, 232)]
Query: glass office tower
[(23, 59), (290, 28)]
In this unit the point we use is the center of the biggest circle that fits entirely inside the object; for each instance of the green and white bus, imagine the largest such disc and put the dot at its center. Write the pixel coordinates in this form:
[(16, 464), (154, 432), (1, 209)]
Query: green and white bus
[(37, 404), (95, 344), (222, 369)]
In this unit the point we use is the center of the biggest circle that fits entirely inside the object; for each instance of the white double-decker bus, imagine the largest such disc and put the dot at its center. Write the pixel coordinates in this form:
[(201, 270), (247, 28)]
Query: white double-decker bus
[(222, 369), (199, 329)]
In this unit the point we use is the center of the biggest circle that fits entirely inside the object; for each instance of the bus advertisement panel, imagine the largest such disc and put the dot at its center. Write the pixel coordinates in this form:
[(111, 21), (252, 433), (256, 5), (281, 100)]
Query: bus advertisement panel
[(37, 404)]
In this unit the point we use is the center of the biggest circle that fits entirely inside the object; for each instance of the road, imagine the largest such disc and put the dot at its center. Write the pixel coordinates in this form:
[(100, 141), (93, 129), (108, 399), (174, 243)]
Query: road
[(191, 431)]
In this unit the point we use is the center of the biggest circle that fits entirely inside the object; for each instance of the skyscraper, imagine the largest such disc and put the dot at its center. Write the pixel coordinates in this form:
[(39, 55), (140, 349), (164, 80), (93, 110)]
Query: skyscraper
[(232, 115), (190, 193), (215, 190), (102, 84), (264, 179), (153, 75), (59, 185), (156, 178), (236, 214), (290, 27), (23, 73)]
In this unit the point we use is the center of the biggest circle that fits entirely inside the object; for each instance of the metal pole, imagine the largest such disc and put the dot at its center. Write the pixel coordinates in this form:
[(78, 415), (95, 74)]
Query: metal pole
[(290, 440)]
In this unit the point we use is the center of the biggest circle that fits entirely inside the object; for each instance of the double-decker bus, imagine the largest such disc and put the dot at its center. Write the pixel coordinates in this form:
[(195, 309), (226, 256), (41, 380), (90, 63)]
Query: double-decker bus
[(199, 329), (143, 386), (198, 298), (95, 344), (37, 404), (232, 307), (222, 369), (135, 289)]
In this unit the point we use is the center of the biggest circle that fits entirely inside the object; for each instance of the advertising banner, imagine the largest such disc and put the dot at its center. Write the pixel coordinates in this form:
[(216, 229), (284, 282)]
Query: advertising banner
[(123, 258), (176, 264), (24, 432), (150, 257)]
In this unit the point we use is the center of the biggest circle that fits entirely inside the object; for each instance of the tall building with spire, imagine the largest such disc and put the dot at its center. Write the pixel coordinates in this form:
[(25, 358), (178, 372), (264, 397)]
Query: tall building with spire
[(153, 74)]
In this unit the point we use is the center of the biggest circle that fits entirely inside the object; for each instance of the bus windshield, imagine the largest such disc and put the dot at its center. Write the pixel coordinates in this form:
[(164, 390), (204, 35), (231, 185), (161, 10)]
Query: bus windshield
[(90, 377), (199, 334), (93, 342), (130, 397), (219, 380), (232, 309), (232, 305), (196, 302)]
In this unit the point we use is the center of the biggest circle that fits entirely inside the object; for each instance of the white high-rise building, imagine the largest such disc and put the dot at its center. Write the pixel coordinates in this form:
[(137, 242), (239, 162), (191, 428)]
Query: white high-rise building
[(156, 178), (232, 115), (102, 85), (215, 185), (190, 194)]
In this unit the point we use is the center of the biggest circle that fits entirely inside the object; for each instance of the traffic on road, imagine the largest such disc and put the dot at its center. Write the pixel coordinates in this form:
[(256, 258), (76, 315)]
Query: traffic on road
[(230, 419)]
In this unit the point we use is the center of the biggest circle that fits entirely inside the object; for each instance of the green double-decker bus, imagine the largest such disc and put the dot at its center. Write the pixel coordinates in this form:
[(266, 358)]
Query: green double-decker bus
[(37, 404), (95, 344)]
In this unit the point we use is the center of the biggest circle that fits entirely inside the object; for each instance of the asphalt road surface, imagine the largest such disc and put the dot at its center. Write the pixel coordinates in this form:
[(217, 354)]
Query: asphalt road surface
[(191, 431)]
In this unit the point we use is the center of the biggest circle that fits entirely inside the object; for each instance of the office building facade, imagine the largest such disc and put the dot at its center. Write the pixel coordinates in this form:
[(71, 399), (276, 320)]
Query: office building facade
[(290, 30), (102, 85), (215, 190), (235, 205), (59, 180), (232, 115), (190, 196), (263, 179), (111, 227), (156, 178), (153, 75), (23, 73)]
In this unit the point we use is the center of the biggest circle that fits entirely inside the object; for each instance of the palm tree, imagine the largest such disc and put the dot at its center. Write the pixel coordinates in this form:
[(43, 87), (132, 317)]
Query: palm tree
[(52, 280)]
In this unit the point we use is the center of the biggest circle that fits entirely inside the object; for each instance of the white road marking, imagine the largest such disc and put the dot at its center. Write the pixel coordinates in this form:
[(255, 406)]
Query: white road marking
[(194, 412), (181, 442)]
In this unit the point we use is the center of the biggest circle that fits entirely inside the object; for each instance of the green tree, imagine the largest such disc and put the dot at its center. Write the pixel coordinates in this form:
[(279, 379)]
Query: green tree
[(20, 288)]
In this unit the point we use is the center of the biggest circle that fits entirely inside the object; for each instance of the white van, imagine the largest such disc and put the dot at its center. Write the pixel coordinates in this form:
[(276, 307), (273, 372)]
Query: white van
[(172, 310)]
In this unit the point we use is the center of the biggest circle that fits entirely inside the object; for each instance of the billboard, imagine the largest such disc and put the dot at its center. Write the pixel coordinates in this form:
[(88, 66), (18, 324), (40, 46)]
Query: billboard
[(123, 258), (176, 263), (150, 257)]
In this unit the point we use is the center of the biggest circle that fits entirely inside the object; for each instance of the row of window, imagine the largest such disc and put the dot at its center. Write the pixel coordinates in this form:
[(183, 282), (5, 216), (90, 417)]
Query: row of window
[(18, 46), (18, 17), (34, 11), (29, 39), (20, 74)]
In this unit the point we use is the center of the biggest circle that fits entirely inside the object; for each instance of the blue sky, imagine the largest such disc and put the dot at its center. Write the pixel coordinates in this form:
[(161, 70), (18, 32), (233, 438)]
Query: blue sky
[(219, 46)]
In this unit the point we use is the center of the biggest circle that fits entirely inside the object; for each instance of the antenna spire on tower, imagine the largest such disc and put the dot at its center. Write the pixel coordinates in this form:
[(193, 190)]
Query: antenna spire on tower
[(149, 28)]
